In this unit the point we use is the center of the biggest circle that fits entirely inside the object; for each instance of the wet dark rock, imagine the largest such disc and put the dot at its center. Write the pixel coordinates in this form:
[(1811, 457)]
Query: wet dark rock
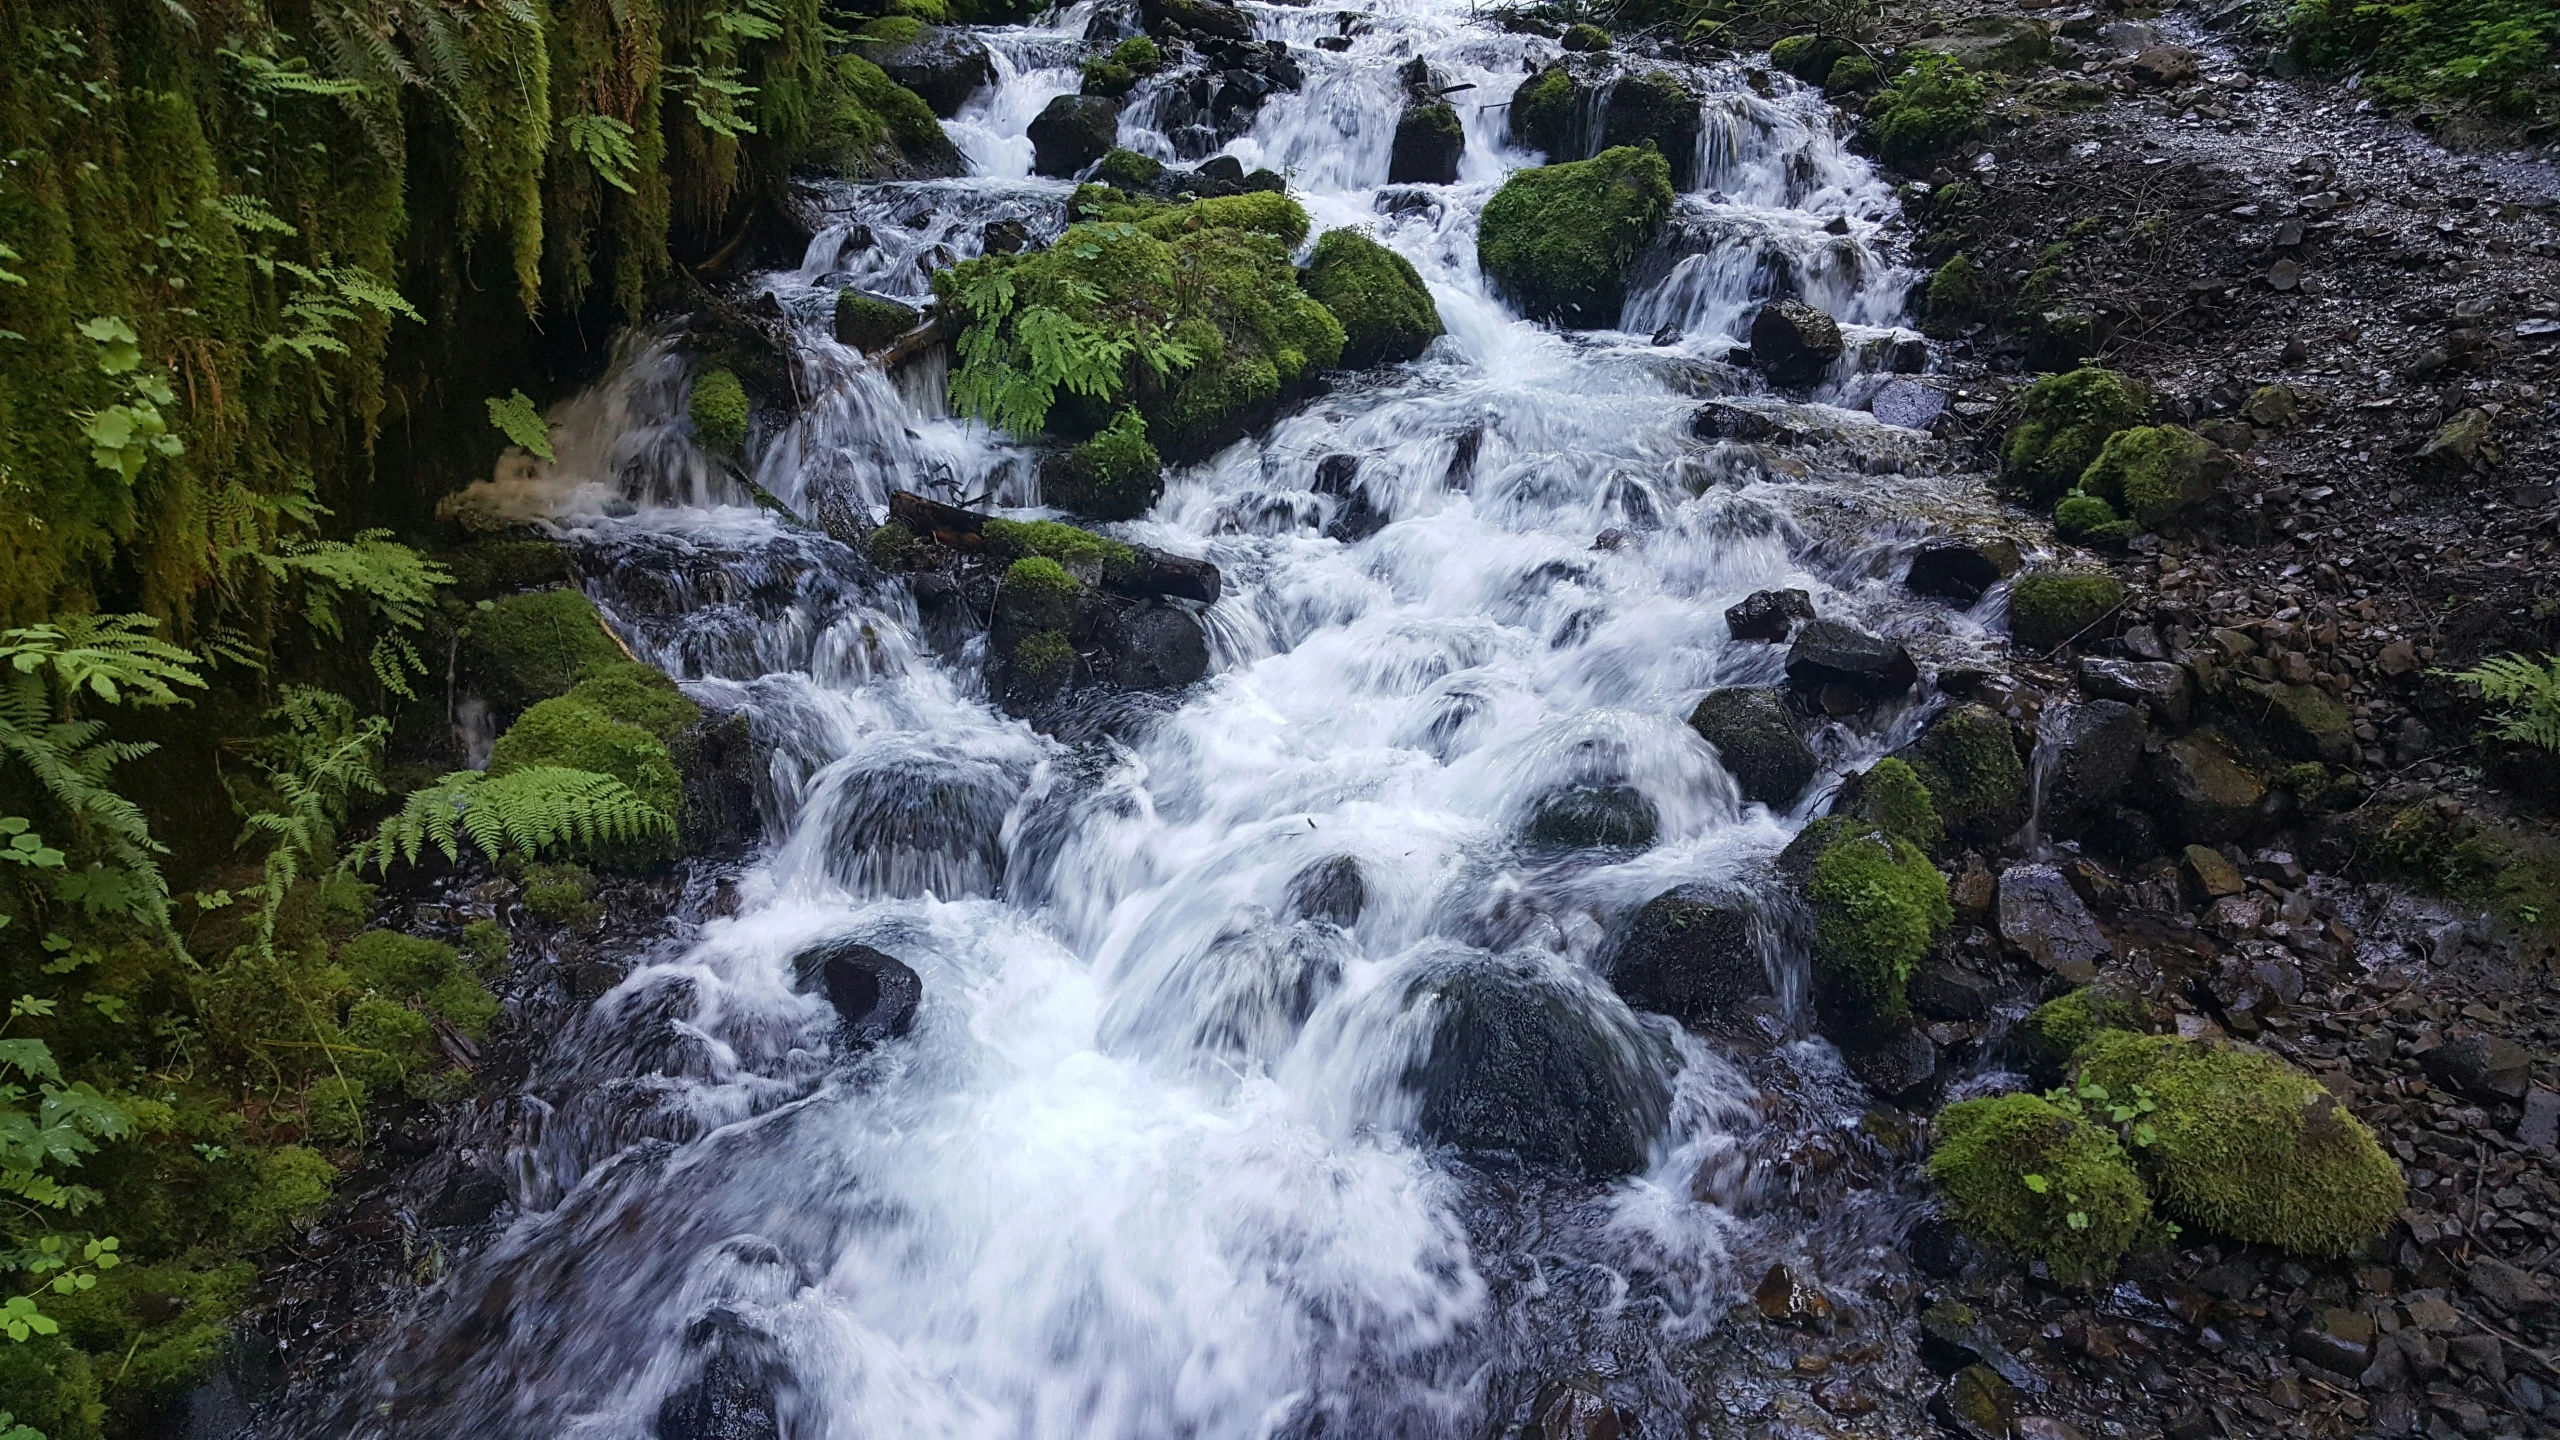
[(1329, 890), (944, 66), (1688, 958), (2203, 790), (2488, 1068), (2163, 66), (1896, 1064), (1830, 655), (1211, 18), (1653, 107), (1429, 141), (1954, 1335), (1156, 645), (1576, 1408), (1524, 1064), (2043, 916), (736, 1397), (1960, 570), (1945, 989), (874, 995), (1977, 1404), (2337, 1339), (1908, 403), (869, 322), (1770, 615), (1592, 816), (1755, 736), (1072, 133), (722, 763), (2304, 721), (1004, 237), (1792, 343), (1727, 420), (2095, 746), (469, 1196), (2514, 1291), (2156, 685), (1785, 1297)]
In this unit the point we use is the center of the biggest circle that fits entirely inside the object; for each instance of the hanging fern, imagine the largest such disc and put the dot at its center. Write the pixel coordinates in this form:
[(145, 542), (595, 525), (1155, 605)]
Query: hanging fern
[(2532, 694), (524, 815), (522, 424)]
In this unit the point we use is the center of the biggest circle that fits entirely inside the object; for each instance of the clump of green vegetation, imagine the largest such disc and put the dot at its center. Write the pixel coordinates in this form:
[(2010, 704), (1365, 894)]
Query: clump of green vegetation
[(2248, 1147), (892, 546), (1559, 239), (1810, 58), (1128, 170), (2512, 871), (2063, 422), (1191, 314), (1932, 107), (2496, 55), (1954, 297), (2528, 697), (560, 894), (1043, 662), (637, 694), (525, 648), (1585, 39), (567, 734), (1544, 110), (2035, 1179), (2156, 473), (1038, 594), (718, 408), (863, 124), (2088, 520), (1972, 772), (1116, 475), (2047, 608), (1879, 906), (485, 943), (1386, 312), (1852, 75), (867, 322), (1891, 795), (2063, 1024), (1079, 550), (1117, 73)]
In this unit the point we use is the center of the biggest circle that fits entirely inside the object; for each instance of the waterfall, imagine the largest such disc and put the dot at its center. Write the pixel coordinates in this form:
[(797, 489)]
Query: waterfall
[(1147, 1165)]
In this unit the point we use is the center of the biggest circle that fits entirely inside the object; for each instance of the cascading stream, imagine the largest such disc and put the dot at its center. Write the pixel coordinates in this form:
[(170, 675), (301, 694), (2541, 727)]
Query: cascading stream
[(1145, 1166)]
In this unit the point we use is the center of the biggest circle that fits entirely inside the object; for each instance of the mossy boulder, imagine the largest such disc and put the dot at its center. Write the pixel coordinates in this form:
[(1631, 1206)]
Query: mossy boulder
[(1998, 44), (2048, 607), (2024, 1175), (1654, 108), (1969, 763), (2304, 721), (1810, 58), (1430, 140), (1116, 475), (870, 322), (1892, 796), (1932, 107), (2246, 1146), (1585, 39), (1878, 906), (1118, 72), (865, 125), (1560, 239), (1386, 312), (1212, 279), (524, 648), (1852, 75), (1128, 170), (718, 409), (1038, 594), (2202, 787), (638, 694), (1071, 133), (574, 735), (943, 67), (2063, 422), (2155, 473), (427, 974), (1040, 665), (1755, 736), (2088, 520), (1953, 298), (1545, 111)]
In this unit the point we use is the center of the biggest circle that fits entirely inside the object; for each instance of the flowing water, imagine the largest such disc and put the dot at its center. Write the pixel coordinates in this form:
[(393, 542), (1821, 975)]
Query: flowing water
[(1147, 1167)]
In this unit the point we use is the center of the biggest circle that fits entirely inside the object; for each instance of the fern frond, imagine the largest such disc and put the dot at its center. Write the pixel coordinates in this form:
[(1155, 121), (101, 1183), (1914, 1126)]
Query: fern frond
[(2531, 694), (523, 814)]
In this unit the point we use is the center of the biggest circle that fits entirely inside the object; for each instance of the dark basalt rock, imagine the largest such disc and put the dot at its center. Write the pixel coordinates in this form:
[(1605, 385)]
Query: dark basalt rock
[(1793, 343), (738, 1394), (1842, 667), (1329, 890), (1588, 816), (944, 66), (1689, 958), (1575, 1407), (1525, 1066), (1768, 614), (1755, 735), (1959, 570), (1429, 141), (874, 995), (1157, 646), (2096, 745), (1072, 133)]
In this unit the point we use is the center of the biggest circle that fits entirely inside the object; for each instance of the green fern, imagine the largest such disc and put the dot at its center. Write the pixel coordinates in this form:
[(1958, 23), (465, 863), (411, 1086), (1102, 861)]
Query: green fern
[(392, 583), (522, 424), (317, 762), (2532, 694), (606, 145), (523, 814)]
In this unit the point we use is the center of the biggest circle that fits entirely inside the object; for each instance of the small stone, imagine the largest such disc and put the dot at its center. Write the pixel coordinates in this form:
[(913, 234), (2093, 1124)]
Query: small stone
[(1770, 615), (1575, 1408), (2397, 658), (1897, 1065), (1793, 343), (1977, 1404), (2285, 274), (2540, 1127), (2479, 1354), (1842, 1396), (1785, 1299), (2484, 1067), (2163, 66), (2461, 444), (2045, 1427), (1831, 653), (1908, 403), (1960, 570), (2515, 1291), (2042, 915), (1954, 1335), (2338, 1340)]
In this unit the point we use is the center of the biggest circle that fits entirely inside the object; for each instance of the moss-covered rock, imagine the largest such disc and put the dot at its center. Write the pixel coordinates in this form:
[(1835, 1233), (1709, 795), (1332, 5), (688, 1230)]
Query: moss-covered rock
[(1852, 75), (1892, 797), (1116, 475), (1040, 664), (1654, 108), (1878, 907), (1387, 314), (2048, 607), (1128, 170), (718, 408), (1198, 303), (2247, 1146), (1954, 297), (1079, 551), (1544, 112), (2024, 1175), (1970, 766), (1755, 736), (1559, 239), (2088, 520), (869, 322), (2063, 422), (2155, 473), (1118, 72), (1585, 39), (1932, 107), (424, 973), (865, 125), (524, 648), (638, 694), (1810, 58), (1430, 139), (2304, 721), (574, 735)]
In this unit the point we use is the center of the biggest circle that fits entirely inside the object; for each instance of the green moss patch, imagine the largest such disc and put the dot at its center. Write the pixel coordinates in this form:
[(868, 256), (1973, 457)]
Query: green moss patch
[(573, 735), (867, 322), (1972, 772), (1116, 475), (2156, 473), (640, 695), (1879, 906), (1128, 170), (2247, 1146), (718, 408), (1077, 549), (2063, 1024), (1585, 39), (1810, 58), (1892, 796), (1386, 312), (1559, 239), (525, 648), (1544, 111), (1932, 107), (2047, 608), (2063, 422), (2026, 1176), (2088, 520)]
